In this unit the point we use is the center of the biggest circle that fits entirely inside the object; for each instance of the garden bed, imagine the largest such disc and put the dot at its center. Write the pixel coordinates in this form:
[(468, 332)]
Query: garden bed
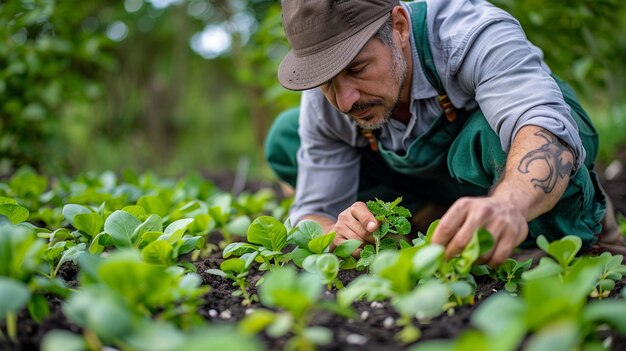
[(372, 327)]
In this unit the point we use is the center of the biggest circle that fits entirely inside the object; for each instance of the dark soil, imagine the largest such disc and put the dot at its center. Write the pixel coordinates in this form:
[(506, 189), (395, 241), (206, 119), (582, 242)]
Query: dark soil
[(368, 331)]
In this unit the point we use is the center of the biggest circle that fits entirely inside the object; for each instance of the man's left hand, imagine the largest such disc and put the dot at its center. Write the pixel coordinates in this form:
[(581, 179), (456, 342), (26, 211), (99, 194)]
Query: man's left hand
[(506, 223)]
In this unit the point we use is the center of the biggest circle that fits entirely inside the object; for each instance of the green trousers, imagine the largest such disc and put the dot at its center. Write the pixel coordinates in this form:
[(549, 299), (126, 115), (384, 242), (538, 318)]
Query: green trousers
[(470, 165)]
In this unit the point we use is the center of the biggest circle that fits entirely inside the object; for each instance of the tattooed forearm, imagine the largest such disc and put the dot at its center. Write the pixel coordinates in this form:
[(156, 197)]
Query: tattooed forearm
[(551, 153)]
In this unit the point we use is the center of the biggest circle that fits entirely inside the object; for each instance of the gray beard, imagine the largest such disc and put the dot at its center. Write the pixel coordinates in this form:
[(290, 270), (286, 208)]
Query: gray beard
[(399, 72)]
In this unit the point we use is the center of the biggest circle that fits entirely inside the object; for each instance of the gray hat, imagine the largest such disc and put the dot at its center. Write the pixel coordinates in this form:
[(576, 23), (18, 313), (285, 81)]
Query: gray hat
[(325, 36)]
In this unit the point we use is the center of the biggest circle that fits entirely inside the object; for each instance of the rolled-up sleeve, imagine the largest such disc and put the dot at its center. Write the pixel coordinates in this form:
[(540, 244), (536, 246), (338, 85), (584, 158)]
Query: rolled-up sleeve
[(512, 85), (328, 163)]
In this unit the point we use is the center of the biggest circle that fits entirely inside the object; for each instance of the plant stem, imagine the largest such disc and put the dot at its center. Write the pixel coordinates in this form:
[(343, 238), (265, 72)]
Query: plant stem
[(93, 343), (246, 296), (12, 326)]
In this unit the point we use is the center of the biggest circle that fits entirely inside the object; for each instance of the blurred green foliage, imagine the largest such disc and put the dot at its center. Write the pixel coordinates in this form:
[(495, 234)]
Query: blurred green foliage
[(582, 42), (119, 84), (47, 68)]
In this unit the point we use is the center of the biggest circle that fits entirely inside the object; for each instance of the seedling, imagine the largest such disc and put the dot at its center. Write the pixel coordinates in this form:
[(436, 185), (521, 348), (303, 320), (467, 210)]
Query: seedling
[(297, 296), (237, 269), (20, 259), (310, 240), (392, 219), (509, 272), (612, 270), (267, 237)]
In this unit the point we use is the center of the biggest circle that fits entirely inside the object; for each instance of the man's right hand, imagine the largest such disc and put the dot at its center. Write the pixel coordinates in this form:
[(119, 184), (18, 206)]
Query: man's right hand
[(355, 222)]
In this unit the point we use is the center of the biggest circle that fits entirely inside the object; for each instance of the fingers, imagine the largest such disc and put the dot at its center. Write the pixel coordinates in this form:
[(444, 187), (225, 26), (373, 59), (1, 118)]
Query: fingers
[(356, 222), (455, 230), (505, 244), (457, 227)]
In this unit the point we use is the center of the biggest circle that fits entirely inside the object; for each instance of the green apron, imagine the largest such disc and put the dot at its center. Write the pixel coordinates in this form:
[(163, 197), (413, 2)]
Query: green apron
[(459, 155)]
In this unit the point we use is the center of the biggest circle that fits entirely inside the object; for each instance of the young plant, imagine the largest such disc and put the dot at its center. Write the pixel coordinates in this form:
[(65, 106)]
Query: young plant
[(237, 270), (20, 259), (311, 243), (222, 211), (406, 277), (611, 271), (392, 219), (268, 238), (297, 297), (509, 272), (157, 245), (12, 211)]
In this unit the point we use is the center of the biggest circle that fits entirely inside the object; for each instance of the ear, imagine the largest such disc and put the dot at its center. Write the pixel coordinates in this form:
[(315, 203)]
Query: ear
[(401, 24)]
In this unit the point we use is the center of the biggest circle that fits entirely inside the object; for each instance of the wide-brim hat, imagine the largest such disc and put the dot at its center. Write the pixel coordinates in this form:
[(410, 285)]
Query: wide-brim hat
[(325, 36)]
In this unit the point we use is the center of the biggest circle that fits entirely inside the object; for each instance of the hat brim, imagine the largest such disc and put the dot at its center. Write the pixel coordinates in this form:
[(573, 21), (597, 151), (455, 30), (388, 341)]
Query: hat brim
[(302, 73)]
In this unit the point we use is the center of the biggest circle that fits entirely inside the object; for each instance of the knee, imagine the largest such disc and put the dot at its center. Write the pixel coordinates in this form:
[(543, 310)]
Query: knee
[(281, 145)]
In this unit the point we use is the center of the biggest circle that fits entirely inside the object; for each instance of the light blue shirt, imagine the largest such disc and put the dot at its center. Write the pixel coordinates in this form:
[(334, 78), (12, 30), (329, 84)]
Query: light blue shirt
[(483, 59)]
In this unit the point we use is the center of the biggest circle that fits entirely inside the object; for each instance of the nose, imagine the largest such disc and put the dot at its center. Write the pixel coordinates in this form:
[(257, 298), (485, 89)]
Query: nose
[(346, 93)]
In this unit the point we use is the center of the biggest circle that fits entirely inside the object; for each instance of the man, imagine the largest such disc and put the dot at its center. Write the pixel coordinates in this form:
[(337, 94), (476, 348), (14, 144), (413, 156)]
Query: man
[(445, 103)]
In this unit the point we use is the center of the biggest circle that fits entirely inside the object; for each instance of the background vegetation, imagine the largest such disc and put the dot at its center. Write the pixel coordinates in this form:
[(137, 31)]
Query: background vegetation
[(179, 86)]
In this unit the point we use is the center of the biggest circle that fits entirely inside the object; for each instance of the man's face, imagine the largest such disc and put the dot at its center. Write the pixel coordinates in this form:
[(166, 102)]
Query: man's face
[(368, 89)]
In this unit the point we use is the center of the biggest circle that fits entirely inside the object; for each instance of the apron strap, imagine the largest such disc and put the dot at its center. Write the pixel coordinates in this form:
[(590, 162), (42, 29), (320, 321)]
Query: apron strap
[(420, 34)]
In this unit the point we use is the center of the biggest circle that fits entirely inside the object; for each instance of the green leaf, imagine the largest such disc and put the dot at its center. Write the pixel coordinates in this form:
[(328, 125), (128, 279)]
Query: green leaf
[(564, 335), (158, 251), (611, 312), (217, 272), (280, 326), (257, 321), (238, 249), (347, 248), (485, 241), (89, 223), (190, 243), (102, 312), (319, 335), (71, 210), (235, 266), (15, 213), (367, 257), (321, 243), (424, 302), (238, 225), (372, 287), (284, 288), (137, 211), (427, 260), (72, 254), (563, 250), (299, 254), (7, 200), (176, 230), (154, 224), (326, 265), (545, 268), (62, 340), (431, 230), (268, 232), (38, 307), (18, 292), (402, 225), (152, 205), (499, 313), (120, 226), (305, 232)]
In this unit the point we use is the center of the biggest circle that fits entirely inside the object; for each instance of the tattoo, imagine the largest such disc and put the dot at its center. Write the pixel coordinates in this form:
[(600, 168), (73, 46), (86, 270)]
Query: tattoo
[(552, 154)]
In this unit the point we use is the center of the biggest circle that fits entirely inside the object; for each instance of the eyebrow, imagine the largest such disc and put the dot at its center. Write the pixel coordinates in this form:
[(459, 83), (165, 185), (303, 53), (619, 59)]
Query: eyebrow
[(357, 61)]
